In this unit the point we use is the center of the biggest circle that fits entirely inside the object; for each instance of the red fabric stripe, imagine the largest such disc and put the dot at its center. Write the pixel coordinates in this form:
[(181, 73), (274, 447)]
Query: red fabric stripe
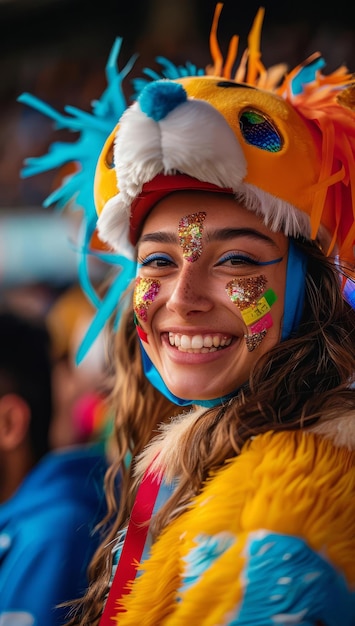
[(133, 546)]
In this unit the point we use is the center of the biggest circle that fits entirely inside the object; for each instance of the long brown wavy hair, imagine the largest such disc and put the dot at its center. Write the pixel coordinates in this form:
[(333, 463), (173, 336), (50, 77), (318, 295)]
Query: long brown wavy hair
[(299, 382)]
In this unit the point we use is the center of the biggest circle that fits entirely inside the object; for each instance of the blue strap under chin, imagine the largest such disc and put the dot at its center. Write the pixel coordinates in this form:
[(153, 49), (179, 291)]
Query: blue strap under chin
[(294, 290), (156, 380), (293, 307)]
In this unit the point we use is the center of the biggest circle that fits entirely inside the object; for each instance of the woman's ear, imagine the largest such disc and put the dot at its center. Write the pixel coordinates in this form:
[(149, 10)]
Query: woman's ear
[(15, 418)]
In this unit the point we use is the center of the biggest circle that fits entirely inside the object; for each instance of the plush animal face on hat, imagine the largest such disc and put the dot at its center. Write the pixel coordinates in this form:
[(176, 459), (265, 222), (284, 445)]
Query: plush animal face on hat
[(267, 147)]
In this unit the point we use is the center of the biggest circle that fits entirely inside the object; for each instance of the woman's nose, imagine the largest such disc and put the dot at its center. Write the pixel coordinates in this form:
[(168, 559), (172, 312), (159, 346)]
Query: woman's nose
[(190, 292)]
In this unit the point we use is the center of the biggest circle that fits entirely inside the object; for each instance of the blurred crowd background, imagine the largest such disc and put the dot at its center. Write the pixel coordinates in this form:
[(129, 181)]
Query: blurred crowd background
[(57, 50)]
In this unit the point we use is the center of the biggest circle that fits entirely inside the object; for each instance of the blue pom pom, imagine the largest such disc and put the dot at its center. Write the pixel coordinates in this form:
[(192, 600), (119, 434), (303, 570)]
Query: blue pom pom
[(159, 98)]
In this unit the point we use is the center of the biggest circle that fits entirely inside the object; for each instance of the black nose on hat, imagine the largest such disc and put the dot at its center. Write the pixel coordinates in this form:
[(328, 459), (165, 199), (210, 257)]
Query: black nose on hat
[(160, 98)]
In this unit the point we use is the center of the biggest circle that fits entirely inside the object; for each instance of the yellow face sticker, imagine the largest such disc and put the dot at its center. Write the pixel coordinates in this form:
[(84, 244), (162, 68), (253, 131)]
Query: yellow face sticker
[(249, 295), (190, 235)]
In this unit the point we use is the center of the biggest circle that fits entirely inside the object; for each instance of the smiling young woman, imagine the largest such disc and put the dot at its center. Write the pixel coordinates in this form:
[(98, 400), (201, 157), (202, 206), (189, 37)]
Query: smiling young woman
[(203, 261), (229, 200)]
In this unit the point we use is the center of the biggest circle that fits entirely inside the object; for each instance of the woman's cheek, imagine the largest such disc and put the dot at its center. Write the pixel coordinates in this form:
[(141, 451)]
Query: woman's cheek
[(254, 302), (145, 292)]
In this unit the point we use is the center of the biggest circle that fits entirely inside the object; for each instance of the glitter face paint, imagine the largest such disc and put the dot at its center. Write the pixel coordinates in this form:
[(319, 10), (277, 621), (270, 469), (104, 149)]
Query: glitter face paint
[(254, 303), (190, 235), (145, 292), (245, 292)]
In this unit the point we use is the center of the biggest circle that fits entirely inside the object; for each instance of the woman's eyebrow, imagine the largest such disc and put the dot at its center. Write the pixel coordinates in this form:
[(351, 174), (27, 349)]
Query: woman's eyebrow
[(160, 237), (218, 234), (225, 234)]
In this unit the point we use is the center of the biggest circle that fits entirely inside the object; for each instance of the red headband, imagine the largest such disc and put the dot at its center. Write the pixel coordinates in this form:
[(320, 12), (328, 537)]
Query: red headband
[(156, 189)]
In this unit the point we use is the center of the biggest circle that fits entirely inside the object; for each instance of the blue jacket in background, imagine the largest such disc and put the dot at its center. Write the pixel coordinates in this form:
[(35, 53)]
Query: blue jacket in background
[(46, 536)]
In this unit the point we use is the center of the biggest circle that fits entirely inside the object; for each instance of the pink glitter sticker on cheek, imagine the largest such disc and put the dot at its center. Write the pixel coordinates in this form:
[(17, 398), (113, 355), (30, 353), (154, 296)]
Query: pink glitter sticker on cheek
[(145, 292), (190, 235)]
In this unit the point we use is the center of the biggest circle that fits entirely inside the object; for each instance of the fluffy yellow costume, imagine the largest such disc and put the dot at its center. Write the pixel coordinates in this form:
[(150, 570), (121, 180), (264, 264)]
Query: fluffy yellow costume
[(284, 507)]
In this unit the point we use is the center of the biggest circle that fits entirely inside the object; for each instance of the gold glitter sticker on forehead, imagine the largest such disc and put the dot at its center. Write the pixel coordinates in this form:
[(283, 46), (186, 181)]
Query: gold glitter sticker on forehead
[(246, 291), (190, 235), (145, 292)]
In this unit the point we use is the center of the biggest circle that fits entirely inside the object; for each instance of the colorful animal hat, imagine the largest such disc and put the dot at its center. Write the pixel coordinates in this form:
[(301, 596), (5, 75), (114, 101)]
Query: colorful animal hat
[(282, 142)]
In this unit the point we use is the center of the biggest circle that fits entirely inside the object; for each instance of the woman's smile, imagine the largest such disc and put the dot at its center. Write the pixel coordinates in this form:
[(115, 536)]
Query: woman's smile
[(199, 343)]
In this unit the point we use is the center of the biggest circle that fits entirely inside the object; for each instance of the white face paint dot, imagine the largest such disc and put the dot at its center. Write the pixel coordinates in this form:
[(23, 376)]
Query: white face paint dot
[(5, 541), (285, 580), (311, 576)]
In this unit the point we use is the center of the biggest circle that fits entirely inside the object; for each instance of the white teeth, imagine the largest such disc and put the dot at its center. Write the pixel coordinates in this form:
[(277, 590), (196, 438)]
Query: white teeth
[(185, 342), (198, 343), (208, 342)]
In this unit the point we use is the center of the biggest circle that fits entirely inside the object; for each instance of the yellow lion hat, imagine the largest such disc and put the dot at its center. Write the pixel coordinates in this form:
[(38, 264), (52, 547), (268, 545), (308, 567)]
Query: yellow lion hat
[(282, 142), (287, 150)]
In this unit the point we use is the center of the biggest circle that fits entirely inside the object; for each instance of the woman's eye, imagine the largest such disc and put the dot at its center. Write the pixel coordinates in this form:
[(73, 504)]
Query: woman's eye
[(237, 260), (155, 260)]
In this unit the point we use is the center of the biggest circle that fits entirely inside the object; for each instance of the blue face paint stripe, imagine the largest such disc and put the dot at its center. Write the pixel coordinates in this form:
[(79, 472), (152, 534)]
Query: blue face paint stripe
[(270, 262)]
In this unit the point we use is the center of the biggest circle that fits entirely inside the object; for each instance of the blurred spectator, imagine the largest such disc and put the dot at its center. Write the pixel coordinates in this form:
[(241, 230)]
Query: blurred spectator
[(50, 501), (80, 411)]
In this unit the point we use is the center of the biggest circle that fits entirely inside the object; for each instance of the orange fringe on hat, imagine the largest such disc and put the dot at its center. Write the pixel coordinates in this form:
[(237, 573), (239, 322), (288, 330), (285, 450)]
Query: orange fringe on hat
[(328, 104)]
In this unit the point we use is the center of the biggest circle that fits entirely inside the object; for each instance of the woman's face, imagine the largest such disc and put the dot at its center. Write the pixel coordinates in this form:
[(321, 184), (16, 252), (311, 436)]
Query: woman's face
[(209, 294)]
